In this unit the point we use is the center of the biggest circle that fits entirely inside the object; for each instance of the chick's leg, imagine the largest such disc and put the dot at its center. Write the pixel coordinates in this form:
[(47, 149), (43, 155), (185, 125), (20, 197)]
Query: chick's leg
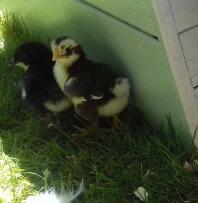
[(115, 122), (88, 111)]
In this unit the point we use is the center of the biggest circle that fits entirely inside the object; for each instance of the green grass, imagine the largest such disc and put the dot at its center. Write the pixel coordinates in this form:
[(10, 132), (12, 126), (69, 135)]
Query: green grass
[(113, 163)]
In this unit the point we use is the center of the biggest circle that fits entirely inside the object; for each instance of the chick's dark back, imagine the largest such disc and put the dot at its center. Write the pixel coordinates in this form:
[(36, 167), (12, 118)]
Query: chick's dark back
[(38, 80), (94, 78)]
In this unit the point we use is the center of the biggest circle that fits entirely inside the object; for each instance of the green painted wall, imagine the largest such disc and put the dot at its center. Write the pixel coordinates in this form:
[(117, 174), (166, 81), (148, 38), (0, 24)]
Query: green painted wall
[(136, 12), (111, 41)]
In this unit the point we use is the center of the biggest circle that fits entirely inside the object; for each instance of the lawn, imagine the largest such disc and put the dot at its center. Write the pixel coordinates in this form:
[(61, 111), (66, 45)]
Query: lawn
[(113, 163)]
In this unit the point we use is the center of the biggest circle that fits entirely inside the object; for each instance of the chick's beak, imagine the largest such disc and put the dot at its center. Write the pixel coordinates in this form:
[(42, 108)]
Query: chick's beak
[(56, 55)]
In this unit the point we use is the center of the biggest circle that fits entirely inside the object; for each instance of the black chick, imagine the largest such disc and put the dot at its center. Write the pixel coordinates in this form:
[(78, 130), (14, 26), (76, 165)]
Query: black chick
[(39, 87), (94, 89)]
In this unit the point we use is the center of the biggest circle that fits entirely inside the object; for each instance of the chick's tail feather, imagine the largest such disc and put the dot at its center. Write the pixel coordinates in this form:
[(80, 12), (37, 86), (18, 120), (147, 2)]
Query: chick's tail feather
[(122, 87), (69, 197)]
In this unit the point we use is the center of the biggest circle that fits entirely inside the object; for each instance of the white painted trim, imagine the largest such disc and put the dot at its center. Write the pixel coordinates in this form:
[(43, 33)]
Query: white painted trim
[(177, 62)]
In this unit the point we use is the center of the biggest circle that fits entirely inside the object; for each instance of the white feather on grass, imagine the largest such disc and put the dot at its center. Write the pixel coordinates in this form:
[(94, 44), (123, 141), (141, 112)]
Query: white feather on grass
[(52, 197)]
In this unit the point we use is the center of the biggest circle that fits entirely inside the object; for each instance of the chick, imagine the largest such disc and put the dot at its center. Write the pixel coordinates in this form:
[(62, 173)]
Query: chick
[(52, 196), (94, 89), (39, 87)]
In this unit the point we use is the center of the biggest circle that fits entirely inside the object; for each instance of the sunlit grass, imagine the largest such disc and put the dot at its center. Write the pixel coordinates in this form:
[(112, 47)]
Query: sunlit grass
[(1, 37), (13, 31), (113, 163), (14, 187)]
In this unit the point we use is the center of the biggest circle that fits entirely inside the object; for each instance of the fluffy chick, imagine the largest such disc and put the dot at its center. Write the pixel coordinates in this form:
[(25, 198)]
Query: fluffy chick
[(95, 90), (52, 197), (39, 87)]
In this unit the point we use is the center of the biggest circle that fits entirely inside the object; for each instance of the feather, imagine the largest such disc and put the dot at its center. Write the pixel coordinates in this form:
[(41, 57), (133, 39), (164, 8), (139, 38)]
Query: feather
[(96, 97), (52, 197)]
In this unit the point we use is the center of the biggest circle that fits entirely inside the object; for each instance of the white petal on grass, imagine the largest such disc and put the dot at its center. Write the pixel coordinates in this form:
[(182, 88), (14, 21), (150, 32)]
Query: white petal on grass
[(141, 193), (188, 166), (148, 173)]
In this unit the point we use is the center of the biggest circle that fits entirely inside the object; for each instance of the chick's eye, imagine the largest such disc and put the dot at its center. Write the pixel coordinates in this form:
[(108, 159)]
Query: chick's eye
[(62, 46), (69, 50)]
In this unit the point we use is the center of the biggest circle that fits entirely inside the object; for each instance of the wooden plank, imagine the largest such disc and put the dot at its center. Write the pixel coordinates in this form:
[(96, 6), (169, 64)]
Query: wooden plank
[(138, 13), (189, 42), (196, 93), (177, 62), (185, 13), (194, 80), (193, 68)]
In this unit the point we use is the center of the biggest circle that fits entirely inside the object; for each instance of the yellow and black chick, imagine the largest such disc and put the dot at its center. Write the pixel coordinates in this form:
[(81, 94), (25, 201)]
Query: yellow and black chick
[(94, 89), (39, 87)]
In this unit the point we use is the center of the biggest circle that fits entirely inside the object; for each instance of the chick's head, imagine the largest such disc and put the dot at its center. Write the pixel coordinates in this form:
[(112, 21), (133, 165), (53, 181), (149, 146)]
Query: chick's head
[(66, 50), (31, 53)]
